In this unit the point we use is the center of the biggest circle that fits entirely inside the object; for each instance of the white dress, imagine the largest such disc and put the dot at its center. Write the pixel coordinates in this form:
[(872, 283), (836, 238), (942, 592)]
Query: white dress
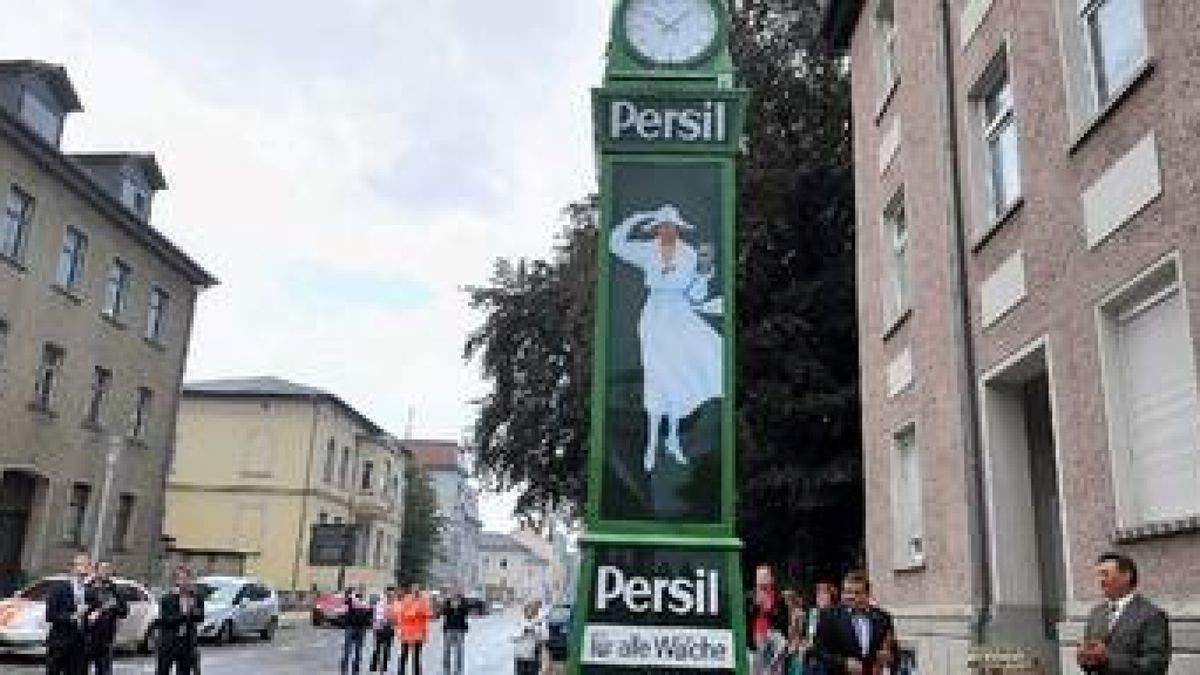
[(681, 353)]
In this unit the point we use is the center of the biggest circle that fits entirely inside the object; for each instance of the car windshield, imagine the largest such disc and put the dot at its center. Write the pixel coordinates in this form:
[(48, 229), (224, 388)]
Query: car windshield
[(40, 589), (217, 593)]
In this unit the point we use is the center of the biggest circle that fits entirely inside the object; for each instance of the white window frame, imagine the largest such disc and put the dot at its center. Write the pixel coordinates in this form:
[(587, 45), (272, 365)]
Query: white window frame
[(75, 521), (73, 255), (100, 389), (886, 41), (1104, 90), (993, 127), (18, 214), (156, 313), (908, 543), (897, 263), (116, 289), (1155, 284)]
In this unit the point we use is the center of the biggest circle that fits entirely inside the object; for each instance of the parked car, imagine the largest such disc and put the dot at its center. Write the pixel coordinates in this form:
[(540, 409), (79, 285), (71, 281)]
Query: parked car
[(237, 606), (23, 626), (329, 609), (558, 629)]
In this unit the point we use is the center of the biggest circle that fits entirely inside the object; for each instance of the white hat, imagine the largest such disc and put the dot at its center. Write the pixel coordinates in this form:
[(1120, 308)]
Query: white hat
[(667, 213)]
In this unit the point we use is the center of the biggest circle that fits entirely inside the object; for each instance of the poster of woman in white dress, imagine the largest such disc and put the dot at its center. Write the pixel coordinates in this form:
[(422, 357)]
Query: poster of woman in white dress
[(681, 353)]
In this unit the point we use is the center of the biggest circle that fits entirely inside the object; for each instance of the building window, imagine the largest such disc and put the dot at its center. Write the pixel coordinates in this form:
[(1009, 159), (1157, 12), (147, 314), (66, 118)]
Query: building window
[(141, 412), (70, 260), (1151, 399), (3, 347), (18, 210), (1116, 37), (47, 377), (156, 314), (101, 383), (909, 548), (116, 289), (76, 513), (124, 517), (887, 64), (134, 197), (994, 99), (898, 291), (367, 468), (378, 557), (344, 470), (504, 563), (330, 459), (323, 518), (41, 118), (337, 520)]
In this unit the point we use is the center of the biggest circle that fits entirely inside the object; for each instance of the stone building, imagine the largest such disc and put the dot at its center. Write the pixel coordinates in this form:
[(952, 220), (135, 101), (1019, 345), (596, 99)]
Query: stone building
[(1027, 200), (514, 571), (96, 313)]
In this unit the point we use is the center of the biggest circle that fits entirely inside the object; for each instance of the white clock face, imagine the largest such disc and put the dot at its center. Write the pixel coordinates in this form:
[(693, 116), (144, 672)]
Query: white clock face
[(670, 31)]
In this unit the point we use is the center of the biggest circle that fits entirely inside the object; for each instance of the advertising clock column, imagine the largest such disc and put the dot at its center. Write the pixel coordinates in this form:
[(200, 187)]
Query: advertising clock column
[(660, 587)]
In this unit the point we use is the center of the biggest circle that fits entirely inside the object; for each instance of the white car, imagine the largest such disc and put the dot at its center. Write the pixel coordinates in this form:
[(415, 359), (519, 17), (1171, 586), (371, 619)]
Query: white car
[(23, 626), (237, 606)]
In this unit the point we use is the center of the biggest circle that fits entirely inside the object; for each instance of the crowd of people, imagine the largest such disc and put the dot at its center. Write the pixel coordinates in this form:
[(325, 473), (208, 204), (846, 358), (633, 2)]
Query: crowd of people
[(83, 615), (1126, 634)]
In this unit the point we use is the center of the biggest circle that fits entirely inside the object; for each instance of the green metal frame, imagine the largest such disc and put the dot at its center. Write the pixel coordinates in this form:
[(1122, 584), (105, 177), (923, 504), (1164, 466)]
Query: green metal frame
[(733, 95)]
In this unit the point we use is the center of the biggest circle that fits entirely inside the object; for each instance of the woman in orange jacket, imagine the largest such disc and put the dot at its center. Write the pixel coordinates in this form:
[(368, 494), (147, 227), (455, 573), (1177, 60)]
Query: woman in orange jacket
[(410, 616)]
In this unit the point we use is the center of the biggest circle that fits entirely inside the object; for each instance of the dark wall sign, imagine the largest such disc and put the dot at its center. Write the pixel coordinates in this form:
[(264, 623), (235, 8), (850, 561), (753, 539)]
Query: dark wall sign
[(331, 545)]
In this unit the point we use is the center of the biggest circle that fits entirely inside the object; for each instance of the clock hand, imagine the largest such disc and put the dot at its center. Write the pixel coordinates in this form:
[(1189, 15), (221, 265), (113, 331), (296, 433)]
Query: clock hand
[(673, 25)]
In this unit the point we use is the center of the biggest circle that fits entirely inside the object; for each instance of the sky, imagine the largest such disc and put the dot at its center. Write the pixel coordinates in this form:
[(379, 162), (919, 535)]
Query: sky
[(344, 168)]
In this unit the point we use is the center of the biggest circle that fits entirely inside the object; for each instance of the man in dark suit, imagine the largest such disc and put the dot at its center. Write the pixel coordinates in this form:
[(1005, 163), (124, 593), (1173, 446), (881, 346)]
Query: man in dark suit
[(855, 638), (1126, 634), (180, 613), (105, 609), (65, 612)]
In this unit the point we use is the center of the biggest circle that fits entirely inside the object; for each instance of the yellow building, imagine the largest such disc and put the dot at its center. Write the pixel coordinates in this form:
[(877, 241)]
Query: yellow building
[(259, 461)]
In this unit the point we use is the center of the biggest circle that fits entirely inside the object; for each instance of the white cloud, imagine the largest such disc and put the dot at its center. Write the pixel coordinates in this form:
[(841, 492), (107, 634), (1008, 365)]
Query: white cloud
[(408, 141)]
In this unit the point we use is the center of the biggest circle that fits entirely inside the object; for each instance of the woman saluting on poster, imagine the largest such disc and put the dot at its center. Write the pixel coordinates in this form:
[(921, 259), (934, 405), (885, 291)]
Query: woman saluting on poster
[(681, 353)]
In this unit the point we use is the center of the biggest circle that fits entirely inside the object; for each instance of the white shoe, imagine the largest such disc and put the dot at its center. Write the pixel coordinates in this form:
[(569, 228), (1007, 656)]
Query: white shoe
[(676, 450)]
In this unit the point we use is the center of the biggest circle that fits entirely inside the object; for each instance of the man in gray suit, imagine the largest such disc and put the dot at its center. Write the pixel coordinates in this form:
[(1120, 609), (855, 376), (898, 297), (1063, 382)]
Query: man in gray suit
[(1126, 634)]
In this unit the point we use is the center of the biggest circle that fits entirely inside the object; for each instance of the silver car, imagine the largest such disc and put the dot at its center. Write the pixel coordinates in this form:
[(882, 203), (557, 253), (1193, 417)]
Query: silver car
[(23, 626), (236, 607)]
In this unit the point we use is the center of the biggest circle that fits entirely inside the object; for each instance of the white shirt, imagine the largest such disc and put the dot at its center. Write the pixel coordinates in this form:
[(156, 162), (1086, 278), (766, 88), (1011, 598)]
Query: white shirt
[(381, 614), (1117, 608), (862, 628)]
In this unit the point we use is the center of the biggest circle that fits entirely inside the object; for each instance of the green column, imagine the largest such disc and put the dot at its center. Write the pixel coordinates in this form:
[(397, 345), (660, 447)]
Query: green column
[(660, 586)]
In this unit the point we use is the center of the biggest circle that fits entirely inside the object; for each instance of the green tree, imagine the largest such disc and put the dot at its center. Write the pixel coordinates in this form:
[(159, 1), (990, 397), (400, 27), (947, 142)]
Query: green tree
[(535, 347), (420, 540)]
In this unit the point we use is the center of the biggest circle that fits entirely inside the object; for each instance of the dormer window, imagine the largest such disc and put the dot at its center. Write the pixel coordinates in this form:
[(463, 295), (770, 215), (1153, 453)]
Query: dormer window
[(134, 196), (41, 118)]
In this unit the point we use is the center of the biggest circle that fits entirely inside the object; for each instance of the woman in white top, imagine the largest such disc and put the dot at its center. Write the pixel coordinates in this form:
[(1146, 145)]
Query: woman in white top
[(681, 353)]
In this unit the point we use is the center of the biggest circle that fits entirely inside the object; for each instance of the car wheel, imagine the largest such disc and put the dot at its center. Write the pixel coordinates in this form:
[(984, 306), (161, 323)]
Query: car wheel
[(225, 635), (149, 643), (268, 633)]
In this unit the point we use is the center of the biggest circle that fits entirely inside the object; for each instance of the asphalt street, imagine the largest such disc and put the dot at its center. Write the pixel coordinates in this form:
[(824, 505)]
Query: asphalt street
[(299, 648)]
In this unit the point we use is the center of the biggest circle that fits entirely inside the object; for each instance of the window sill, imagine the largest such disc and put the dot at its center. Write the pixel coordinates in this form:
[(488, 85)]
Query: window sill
[(982, 236), (68, 293), (906, 567), (1140, 75), (155, 343), (113, 321), (892, 326), (1166, 528), (42, 410), (91, 425), (14, 263), (136, 441), (885, 101)]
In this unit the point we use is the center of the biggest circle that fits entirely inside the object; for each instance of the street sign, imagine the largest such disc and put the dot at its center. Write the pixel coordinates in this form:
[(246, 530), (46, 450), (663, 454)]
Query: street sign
[(331, 545)]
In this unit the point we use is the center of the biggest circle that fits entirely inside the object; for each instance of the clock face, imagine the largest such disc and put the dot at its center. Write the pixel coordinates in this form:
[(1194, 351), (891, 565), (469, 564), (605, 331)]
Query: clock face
[(670, 32)]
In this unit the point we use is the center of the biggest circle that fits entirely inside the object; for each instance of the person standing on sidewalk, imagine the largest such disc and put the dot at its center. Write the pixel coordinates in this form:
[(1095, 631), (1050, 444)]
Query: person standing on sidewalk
[(1126, 634), (454, 632), (411, 617), (530, 634), (180, 613), (383, 632), (105, 607), (65, 612), (856, 638), (358, 620)]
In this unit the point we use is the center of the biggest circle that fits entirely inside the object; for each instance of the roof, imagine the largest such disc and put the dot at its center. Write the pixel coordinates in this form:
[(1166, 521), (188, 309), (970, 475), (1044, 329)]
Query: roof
[(435, 454), (143, 160), (838, 18), (76, 178), (54, 75), (271, 387)]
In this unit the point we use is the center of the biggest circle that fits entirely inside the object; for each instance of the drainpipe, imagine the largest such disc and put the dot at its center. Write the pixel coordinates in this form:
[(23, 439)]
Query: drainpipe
[(964, 338)]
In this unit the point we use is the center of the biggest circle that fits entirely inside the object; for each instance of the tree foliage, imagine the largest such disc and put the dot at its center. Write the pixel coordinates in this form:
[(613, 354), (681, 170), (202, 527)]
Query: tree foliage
[(420, 539), (535, 346), (797, 388)]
